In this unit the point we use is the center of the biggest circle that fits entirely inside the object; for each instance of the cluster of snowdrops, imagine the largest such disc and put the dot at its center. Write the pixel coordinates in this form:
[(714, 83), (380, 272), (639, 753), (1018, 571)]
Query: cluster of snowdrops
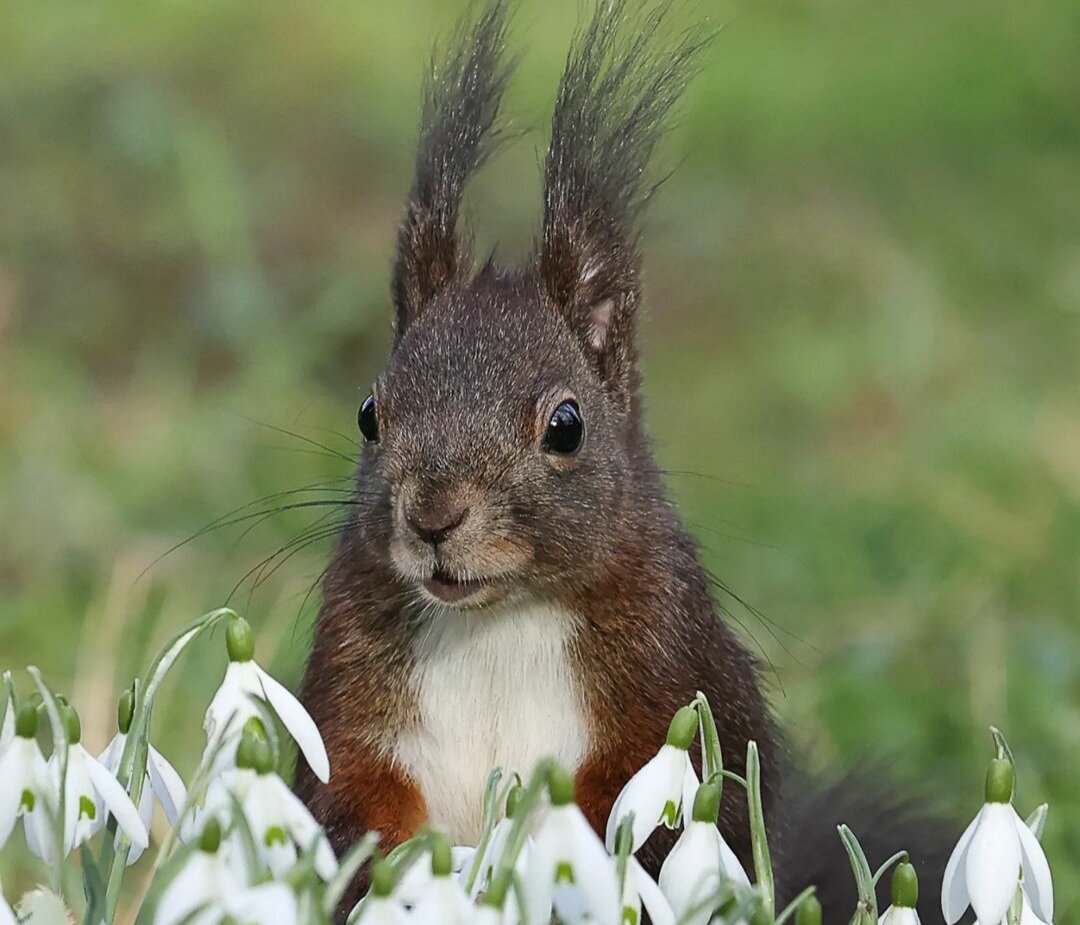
[(242, 849)]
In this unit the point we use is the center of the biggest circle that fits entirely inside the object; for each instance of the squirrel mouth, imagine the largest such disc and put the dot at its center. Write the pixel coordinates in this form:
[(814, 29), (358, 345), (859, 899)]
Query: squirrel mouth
[(451, 590)]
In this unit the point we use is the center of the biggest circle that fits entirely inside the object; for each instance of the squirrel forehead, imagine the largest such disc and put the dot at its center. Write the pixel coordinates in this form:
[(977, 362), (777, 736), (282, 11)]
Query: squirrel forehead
[(484, 342)]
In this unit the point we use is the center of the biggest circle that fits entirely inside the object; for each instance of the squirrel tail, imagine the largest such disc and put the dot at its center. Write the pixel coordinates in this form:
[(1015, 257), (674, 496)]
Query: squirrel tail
[(809, 850)]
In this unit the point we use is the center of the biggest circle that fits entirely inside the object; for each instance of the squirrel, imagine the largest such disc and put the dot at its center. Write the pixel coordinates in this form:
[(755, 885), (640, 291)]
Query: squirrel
[(513, 582)]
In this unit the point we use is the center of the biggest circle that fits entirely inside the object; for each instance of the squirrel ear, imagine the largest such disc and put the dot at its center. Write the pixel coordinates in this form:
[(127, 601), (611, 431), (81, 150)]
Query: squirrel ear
[(622, 77), (462, 93)]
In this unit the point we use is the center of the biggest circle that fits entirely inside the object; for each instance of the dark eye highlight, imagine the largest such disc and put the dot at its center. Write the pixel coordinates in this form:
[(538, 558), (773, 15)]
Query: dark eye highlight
[(565, 430), (368, 420)]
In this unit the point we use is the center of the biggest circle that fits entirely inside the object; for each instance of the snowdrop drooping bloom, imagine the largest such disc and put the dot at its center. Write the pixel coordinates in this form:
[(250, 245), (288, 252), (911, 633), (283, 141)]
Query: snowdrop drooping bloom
[(89, 785), (639, 889), (658, 793), (905, 897), (700, 861), (232, 706), (24, 780), (380, 906), (207, 890), (161, 779), (279, 821), (443, 900), (569, 868), (985, 866)]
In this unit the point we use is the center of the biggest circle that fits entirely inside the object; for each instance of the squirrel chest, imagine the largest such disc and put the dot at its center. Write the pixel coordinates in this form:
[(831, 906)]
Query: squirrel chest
[(495, 689)]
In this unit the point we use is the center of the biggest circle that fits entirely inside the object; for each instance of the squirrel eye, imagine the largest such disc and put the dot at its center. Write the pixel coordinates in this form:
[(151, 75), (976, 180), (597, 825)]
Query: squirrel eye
[(368, 420), (565, 430)]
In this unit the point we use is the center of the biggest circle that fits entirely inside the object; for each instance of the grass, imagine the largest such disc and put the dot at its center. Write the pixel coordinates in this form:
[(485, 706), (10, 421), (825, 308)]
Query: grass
[(864, 319)]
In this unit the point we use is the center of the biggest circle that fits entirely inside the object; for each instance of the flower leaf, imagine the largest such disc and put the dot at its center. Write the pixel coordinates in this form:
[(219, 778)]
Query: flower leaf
[(759, 841), (866, 910)]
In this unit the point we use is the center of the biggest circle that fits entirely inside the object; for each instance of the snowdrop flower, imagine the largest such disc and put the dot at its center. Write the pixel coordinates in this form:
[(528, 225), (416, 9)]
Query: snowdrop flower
[(161, 780), (657, 793), (232, 706), (443, 901), (1027, 914), (567, 851), (207, 891), (640, 889), (24, 780), (700, 861), (905, 897), (984, 869), (7, 713), (416, 879), (380, 907), (278, 819), (89, 785), (493, 851)]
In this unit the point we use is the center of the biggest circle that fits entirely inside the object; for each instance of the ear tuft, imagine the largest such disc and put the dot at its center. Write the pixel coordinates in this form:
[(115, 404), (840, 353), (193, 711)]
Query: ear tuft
[(462, 94), (624, 74)]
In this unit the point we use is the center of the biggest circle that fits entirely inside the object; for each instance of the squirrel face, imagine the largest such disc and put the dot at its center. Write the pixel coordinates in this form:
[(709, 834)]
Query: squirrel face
[(494, 436)]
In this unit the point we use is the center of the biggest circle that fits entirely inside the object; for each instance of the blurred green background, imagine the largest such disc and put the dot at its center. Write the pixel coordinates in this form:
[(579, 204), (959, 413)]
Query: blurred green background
[(862, 345)]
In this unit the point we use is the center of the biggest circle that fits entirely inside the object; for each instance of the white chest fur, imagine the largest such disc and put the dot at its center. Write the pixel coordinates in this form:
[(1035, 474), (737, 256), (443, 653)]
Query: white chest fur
[(495, 690)]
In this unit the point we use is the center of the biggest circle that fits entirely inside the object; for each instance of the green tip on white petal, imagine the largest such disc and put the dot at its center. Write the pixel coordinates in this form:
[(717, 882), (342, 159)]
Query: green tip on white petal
[(254, 753), (442, 857), (210, 840), (905, 886), (683, 728), (240, 640), (72, 725), (125, 711), (999, 781), (26, 720), (707, 802), (500, 886), (809, 911), (560, 786), (383, 879)]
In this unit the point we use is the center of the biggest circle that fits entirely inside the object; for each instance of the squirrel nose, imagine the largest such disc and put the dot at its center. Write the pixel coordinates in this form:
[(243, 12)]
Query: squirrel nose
[(435, 524)]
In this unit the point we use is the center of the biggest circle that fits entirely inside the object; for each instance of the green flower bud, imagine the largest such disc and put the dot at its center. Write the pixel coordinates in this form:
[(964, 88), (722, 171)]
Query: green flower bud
[(513, 800), (809, 912), (255, 754), (905, 886), (999, 781), (210, 840), (560, 786), (26, 721), (72, 726), (707, 802), (383, 878), (683, 728), (240, 640), (442, 858), (125, 711)]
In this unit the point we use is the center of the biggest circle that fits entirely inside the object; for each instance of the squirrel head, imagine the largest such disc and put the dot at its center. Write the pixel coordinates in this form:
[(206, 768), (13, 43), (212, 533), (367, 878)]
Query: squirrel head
[(504, 431)]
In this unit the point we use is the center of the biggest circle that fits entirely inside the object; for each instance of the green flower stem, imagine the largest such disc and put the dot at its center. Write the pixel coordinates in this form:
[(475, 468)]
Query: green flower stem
[(805, 908), (866, 909), (712, 755), (491, 805), (132, 770), (519, 831), (759, 841)]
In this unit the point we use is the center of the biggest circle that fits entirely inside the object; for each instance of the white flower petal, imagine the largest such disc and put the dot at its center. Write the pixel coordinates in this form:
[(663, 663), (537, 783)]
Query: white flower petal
[(1028, 916), (656, 904), (11, 789), (954, 891), (992, 868), (197, 883), (268, 904), (689, 788), (7, 916), (167, 785), (594, 870), (380, 910), (443, 903), (647, 793), (730, 864), (116, 800), (691, 871), (1038, 884), (539, 880), (298, 722), (899, 915)]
